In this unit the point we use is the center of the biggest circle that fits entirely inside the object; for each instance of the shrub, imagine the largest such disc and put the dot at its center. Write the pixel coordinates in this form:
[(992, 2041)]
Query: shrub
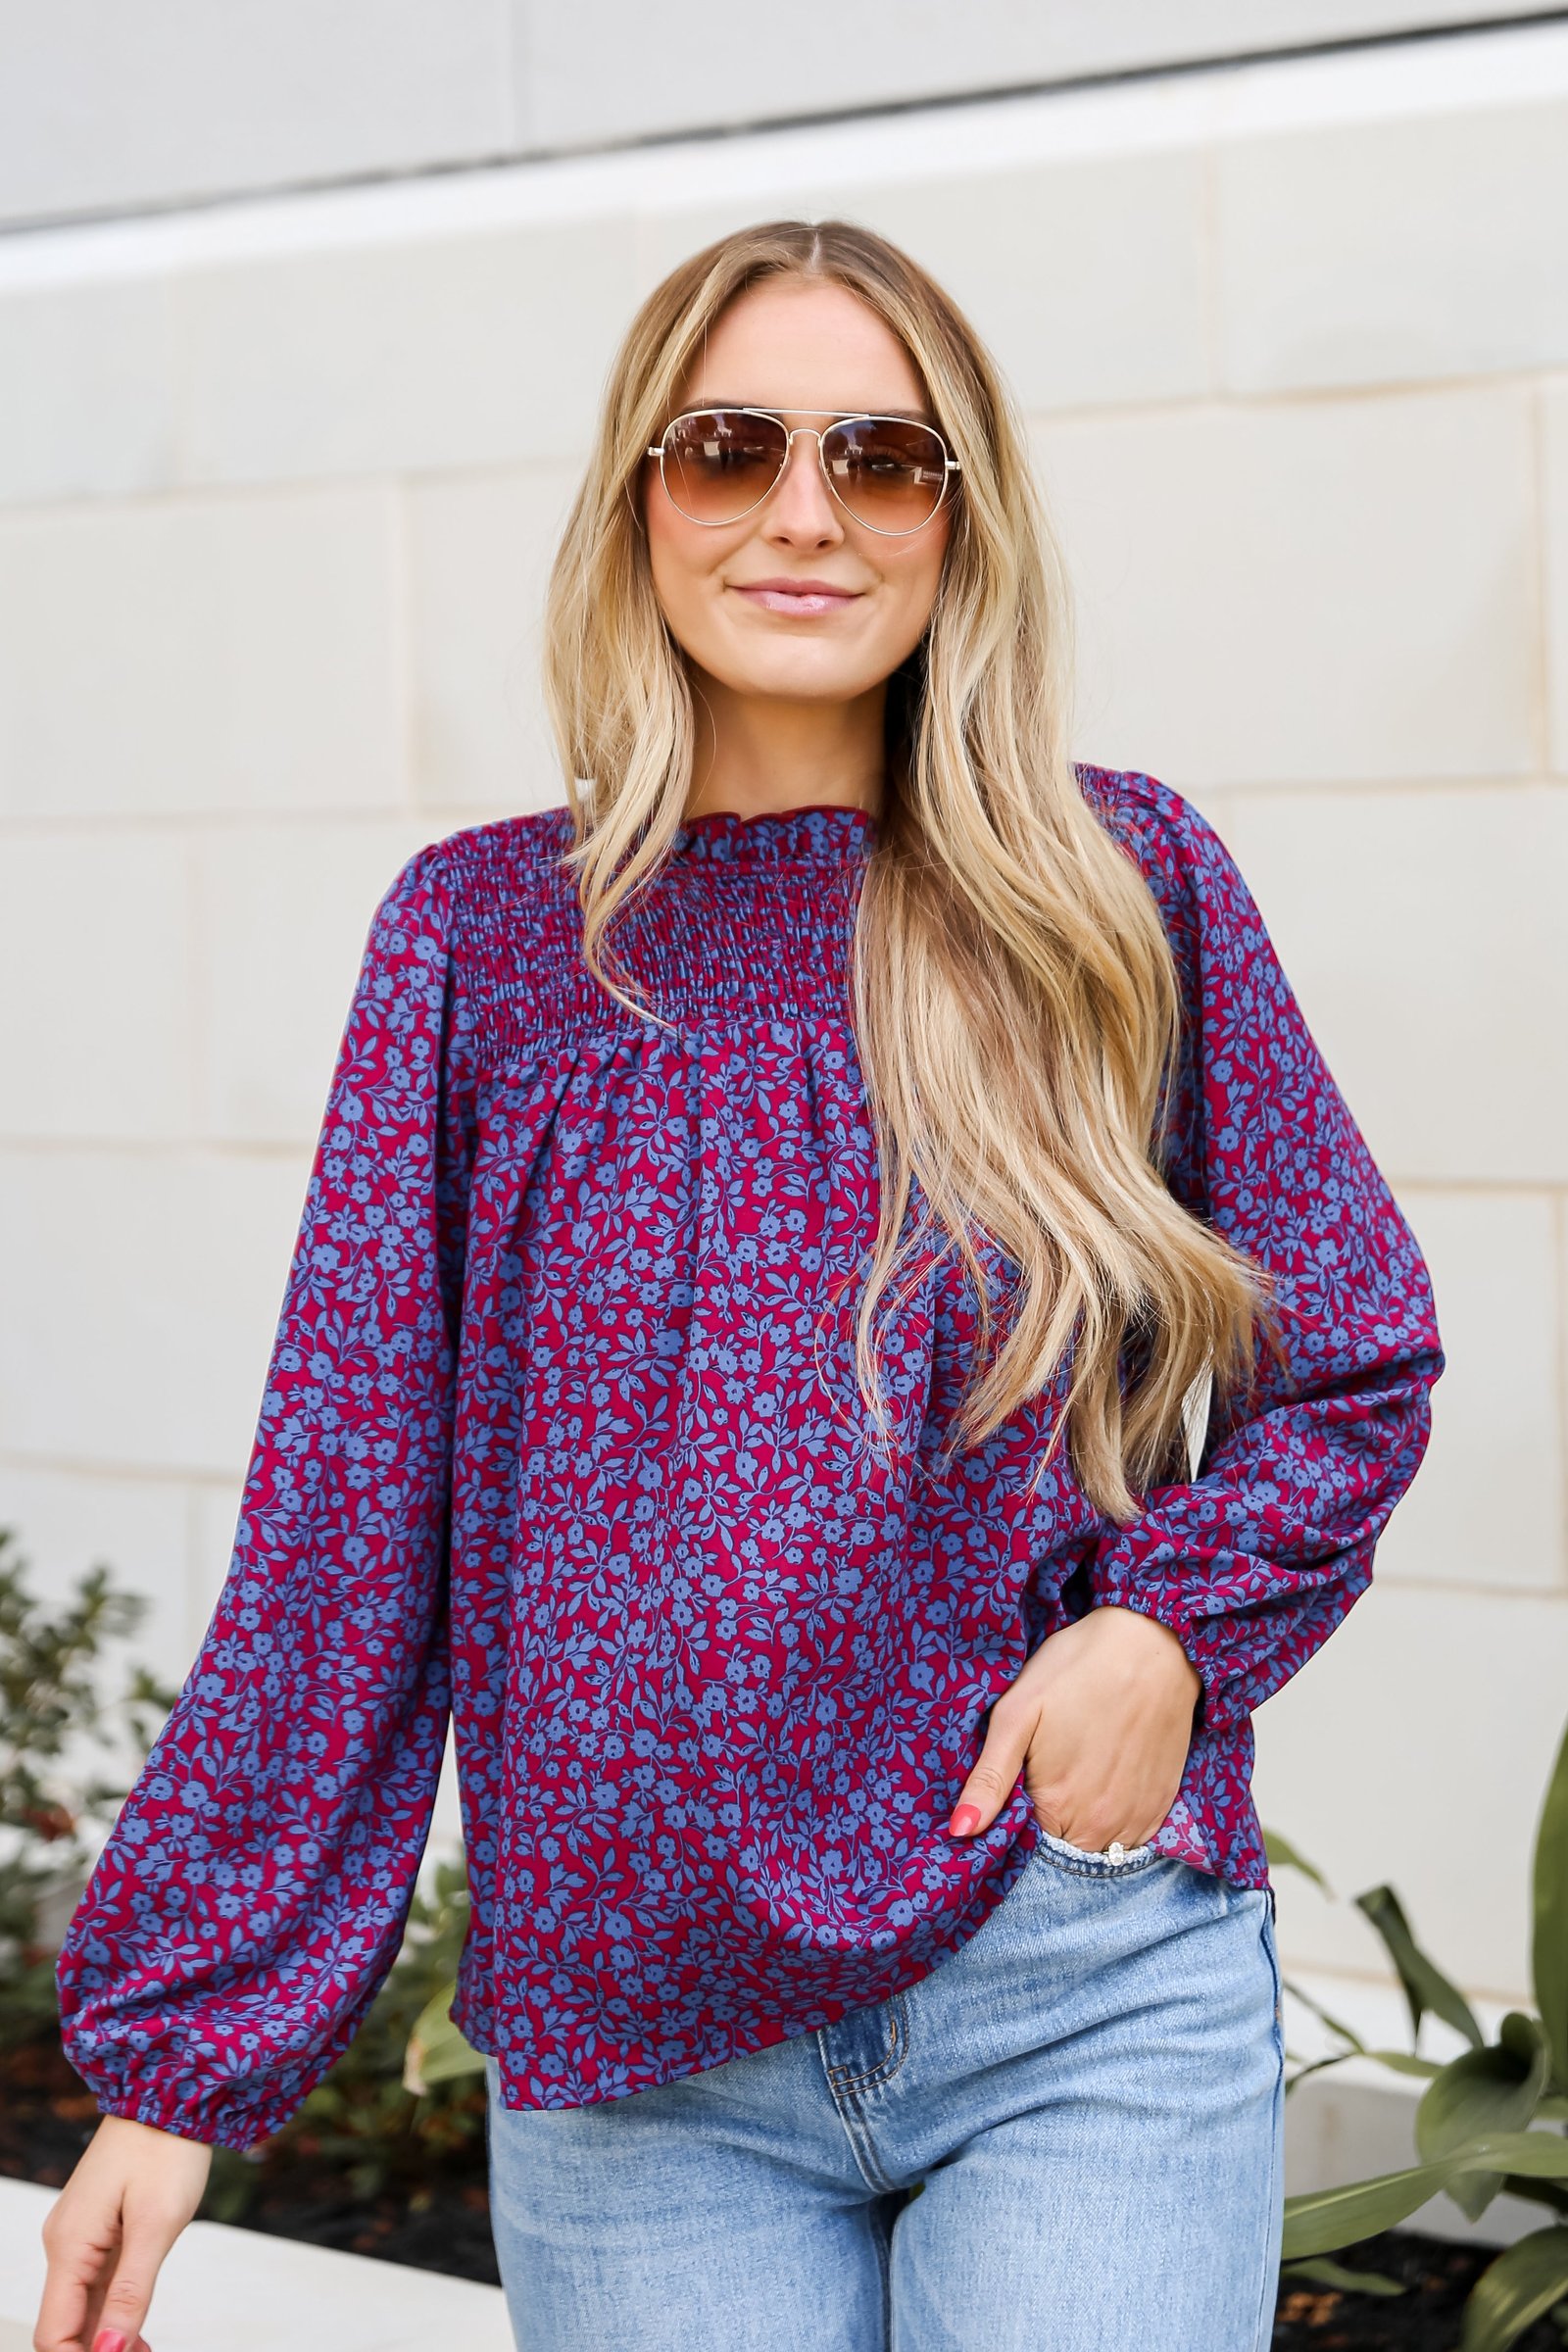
[(50, 1703), (1490, 2120)]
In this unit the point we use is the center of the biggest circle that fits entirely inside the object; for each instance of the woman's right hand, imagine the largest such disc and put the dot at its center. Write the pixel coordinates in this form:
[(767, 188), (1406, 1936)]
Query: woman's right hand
[(107, 2232)]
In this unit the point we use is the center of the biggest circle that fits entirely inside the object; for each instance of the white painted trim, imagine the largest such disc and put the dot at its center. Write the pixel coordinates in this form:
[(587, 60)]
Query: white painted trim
[(253, 2293), (1513, 66)]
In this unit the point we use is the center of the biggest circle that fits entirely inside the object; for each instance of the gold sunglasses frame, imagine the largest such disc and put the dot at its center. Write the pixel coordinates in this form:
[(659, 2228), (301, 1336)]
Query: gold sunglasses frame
[(950, 465)]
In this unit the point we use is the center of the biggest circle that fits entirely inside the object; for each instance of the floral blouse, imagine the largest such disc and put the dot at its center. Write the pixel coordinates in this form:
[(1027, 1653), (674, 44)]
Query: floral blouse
[(561, 1436)]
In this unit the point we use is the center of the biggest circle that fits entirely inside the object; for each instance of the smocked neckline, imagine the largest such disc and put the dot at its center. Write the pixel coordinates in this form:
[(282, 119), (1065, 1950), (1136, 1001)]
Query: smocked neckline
[(812, 830)]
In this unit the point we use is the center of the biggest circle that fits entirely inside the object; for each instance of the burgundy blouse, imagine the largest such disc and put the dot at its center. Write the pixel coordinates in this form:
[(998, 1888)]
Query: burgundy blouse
[(560, 1432)]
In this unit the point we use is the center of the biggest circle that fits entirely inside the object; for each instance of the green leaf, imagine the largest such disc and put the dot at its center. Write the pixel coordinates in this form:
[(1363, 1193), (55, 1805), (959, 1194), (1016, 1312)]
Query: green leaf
[(1405, 2062), (437, 2052), (1323, 2271), (1522, 2036), (1333, 2024), (1402, 2062), (1550, 1941), (1283, 1855), (1539, 2192), (1520, 2288), (1322, 2219), (1311, 2066), (1494, 2088), (1535, 2155), (1425, 1984)]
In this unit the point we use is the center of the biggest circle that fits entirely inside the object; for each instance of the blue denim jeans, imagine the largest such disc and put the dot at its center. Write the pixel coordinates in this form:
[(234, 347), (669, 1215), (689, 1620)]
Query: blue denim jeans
[(1087, 2096)]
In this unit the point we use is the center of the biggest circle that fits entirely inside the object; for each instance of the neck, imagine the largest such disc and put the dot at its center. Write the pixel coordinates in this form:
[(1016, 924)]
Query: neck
[(756, 754)]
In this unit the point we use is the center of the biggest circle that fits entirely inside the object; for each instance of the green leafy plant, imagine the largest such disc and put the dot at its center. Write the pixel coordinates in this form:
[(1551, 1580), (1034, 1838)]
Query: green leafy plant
[(51, 1700), (436, 2051), (57, 1699), (1490, 2120)]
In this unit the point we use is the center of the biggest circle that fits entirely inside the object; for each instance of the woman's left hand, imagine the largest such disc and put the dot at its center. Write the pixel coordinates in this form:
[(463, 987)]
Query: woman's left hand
[(1100, 1720)]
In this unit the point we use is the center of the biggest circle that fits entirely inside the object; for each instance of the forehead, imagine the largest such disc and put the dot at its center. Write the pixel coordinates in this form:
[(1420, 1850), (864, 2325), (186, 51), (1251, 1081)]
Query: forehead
[(807, 346)]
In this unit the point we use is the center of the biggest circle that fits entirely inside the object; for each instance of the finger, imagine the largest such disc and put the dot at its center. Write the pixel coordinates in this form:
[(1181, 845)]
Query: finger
[(150, 2230), (72, 2285), (99, 2338), (996, 1769)]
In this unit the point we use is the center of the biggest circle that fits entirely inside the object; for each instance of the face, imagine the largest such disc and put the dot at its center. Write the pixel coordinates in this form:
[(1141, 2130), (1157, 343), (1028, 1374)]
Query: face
[(797, 601)]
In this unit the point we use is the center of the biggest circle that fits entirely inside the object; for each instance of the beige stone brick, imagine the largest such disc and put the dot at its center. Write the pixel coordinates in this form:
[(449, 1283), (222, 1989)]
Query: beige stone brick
[(1395, 246), (142, 1294), (1554, 409), (95, 975), (1487, 1505), (1317, 592), (1423, 933), (1084, 273), (210, 654), (405, 353), (1415, 1747), (68, 1521), (88, 388), (215, 1523), (283, 915), (479, 555)]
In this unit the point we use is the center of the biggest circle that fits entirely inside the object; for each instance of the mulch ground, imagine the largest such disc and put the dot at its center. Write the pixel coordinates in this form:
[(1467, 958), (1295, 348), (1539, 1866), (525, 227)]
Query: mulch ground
[(47, 2116), (1437, 2275)]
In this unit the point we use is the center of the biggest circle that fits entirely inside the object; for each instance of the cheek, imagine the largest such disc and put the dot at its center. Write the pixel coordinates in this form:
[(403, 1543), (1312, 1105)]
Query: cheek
[(914, 576), (665, 556), (682, 558)]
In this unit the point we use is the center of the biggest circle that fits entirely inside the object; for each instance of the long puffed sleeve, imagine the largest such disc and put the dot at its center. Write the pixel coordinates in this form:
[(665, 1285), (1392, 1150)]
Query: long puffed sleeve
[(1254, 1563), (254, 1889)]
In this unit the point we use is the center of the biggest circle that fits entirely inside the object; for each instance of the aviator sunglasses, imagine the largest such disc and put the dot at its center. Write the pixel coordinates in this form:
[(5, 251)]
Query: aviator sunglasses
[(889, 472)]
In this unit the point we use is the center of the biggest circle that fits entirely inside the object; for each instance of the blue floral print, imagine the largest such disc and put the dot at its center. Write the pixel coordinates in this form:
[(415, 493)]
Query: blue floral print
[(561, 1436)]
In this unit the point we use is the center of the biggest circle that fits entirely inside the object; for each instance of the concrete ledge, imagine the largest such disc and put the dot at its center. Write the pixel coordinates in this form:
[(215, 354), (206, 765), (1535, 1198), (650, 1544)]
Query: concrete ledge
[(1358, 2121), (237, 2290)]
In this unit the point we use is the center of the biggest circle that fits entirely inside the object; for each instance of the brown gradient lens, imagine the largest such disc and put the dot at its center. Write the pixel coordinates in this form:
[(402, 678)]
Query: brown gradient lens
[(889, 472), (721, 463)]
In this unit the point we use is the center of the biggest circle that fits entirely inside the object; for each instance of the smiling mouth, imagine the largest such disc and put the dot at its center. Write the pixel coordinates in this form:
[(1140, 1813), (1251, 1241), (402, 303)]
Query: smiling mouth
[(802, 600)]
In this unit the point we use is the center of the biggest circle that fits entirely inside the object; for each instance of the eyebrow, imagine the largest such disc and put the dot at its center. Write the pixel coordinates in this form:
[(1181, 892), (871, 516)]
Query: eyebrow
[(720, 400)]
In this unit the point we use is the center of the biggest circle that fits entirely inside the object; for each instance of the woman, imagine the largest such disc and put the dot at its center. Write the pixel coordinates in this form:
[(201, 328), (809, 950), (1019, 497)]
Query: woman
[(773, 1221)]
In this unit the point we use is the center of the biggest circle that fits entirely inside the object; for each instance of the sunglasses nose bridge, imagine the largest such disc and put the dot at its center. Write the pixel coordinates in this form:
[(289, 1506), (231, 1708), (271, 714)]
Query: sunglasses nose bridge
[(791, 435)]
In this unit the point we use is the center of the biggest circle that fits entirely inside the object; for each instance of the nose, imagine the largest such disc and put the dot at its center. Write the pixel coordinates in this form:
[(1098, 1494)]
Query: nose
[(802, 509)]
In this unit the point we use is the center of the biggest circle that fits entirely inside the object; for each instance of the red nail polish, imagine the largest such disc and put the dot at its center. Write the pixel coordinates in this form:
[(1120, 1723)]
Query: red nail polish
[(110, 2339), (965, 1821)]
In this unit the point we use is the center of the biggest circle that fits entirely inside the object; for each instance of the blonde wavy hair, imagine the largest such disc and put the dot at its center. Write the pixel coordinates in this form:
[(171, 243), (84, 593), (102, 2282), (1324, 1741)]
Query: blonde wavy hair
[(1014, 998)]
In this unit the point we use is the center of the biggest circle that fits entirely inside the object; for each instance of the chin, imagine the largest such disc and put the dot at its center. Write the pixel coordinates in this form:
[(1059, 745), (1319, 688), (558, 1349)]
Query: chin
[(791, 679), (798, 688)]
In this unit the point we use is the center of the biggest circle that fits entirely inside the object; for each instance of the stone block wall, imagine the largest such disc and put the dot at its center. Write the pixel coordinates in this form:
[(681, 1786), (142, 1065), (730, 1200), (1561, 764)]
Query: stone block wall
[(279, 481)]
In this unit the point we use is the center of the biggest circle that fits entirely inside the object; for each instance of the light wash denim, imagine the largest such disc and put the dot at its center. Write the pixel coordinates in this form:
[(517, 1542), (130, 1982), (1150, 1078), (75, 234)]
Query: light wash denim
[(1090, 2091)]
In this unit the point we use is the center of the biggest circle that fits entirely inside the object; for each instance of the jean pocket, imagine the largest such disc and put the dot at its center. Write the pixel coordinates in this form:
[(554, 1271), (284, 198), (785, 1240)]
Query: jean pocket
[(1114, 1863)]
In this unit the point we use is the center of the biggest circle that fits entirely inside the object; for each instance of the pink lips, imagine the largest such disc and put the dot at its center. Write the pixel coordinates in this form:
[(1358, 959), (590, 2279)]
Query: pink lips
[(804, 598)]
